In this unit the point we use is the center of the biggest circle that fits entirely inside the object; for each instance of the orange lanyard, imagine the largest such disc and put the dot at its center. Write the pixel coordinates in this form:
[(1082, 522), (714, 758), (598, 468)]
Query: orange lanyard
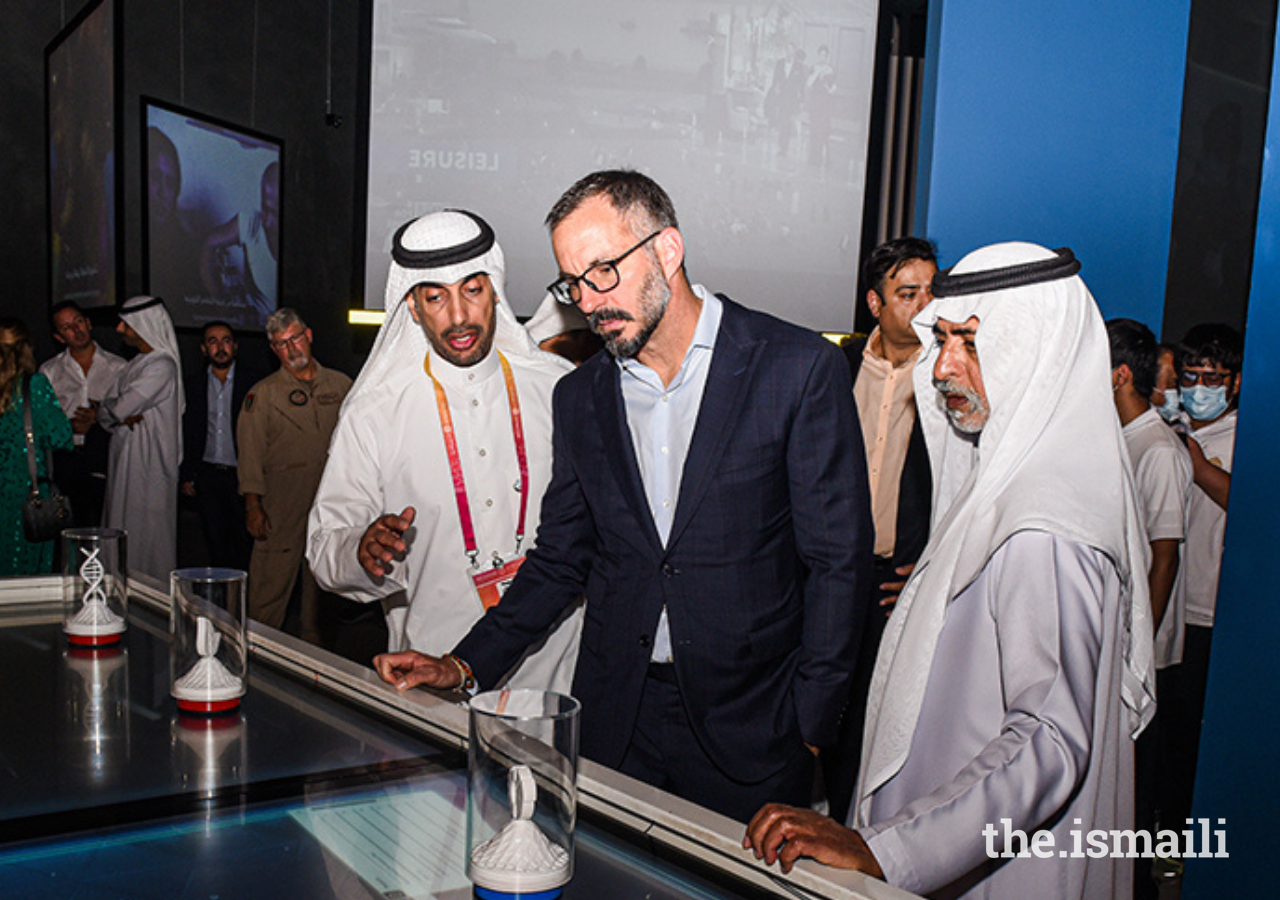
[(455, 461)]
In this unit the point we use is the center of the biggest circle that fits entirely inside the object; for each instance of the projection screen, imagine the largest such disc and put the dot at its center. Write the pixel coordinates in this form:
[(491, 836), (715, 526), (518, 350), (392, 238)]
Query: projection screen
[(753, 116)]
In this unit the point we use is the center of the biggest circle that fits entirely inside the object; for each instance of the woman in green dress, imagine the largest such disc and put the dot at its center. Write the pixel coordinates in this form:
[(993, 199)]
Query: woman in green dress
[(18, 556)]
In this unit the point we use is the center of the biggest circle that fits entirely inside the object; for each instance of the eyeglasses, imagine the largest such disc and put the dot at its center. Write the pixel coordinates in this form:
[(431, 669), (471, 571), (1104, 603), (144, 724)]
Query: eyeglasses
[(295, 341), (601, 278), (1189, 378)]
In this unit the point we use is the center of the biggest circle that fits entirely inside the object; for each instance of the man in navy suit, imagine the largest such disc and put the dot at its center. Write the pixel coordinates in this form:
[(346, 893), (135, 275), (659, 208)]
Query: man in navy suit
[(709, 496), (208, 472)]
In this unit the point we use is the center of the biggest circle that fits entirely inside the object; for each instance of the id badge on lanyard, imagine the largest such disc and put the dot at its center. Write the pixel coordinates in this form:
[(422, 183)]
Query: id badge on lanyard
[(493, 582)]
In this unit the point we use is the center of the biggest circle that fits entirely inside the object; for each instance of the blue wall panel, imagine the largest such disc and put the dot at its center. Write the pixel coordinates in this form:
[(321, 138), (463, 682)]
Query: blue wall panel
[(1057, 123)]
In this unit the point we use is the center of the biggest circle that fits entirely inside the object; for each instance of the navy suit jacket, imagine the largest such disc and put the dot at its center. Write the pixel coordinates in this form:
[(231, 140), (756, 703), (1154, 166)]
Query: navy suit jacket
[(195, 419), (764, 576)]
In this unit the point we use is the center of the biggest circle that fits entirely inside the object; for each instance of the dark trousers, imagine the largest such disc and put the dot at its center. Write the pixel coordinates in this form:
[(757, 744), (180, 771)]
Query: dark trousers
[(665, 753), (81, 474), (222, 516), (840, 762), (1182, 713), (1149, 767), (354, 631)]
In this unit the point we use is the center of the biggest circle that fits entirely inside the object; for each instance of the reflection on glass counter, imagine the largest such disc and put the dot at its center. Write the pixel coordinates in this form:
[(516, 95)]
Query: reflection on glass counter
[(322, 783)]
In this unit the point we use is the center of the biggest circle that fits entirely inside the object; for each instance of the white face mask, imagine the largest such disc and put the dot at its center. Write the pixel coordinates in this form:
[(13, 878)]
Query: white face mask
[(1172, 406), (1204, 404)]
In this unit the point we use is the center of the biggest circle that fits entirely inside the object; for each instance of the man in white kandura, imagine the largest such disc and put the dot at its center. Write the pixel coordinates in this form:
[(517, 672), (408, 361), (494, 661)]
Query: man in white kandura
[(143, 412), (432, 492), (1016, 670)]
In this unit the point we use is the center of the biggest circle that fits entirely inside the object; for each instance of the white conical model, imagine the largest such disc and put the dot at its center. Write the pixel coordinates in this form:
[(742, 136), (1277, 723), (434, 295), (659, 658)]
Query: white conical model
[(520, 859), (208, 680)]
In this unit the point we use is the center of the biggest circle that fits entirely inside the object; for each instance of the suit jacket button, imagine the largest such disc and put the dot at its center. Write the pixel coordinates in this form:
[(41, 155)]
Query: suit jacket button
[(668, 571), (645, 640)]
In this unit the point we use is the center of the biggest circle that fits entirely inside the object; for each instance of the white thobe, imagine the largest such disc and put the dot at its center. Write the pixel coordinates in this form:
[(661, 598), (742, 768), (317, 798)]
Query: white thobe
[(1022, 719), (388, 453), (1163, 478), (142, 475), (74, 386)]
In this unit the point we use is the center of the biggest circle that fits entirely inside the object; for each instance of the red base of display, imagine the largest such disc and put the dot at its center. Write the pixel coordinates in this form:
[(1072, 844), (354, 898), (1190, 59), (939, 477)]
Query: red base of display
[(208, 707), (94, 640)]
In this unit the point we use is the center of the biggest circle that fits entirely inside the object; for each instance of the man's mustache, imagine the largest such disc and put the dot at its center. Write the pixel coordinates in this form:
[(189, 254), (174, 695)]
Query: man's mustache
[(605, 313), (947, 386), (459, 331)]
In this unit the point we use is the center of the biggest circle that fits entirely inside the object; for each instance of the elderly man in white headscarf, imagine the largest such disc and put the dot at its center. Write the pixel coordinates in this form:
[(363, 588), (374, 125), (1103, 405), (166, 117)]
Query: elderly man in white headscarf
[(143, 412), (1017, 669), (436, 472)]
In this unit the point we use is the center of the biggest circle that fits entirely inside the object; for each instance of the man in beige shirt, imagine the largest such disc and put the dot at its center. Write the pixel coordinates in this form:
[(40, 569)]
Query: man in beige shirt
[(283, 439), (897, 275)]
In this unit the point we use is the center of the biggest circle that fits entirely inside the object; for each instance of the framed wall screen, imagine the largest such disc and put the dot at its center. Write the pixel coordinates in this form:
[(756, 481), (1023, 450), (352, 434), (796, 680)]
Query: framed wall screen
[(211, 217), (82, 93)]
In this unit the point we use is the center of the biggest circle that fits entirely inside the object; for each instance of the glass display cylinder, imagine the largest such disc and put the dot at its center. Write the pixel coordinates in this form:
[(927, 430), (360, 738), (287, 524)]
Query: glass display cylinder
[(95, 585), (522, 798), (208, 639)]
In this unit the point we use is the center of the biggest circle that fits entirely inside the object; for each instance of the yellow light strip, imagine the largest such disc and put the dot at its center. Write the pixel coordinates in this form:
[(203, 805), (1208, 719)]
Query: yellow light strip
[(835, 337), (365, 316)]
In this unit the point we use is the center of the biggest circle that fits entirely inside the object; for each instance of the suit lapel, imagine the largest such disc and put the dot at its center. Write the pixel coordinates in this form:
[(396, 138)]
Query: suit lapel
[(618, 447), (723, 398)]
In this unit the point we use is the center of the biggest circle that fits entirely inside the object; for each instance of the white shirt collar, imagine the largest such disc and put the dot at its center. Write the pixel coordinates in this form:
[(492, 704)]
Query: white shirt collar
[(452, 376)]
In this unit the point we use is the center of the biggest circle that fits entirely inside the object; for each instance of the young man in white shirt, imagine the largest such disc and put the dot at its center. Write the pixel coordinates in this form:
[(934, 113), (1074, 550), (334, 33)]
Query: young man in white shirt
[(1162, 477)]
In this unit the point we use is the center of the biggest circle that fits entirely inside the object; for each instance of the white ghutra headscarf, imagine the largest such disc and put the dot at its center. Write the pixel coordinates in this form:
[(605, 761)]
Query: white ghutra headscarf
[(1050, 458), (444, 248), (148, 316)]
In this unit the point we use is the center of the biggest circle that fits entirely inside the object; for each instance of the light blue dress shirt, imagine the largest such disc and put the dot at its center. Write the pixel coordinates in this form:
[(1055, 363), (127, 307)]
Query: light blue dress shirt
[(219, 443), (661, 420)]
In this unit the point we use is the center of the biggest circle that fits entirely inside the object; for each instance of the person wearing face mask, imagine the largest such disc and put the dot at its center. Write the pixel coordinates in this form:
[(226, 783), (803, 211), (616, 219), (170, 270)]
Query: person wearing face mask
[(1164, 398), (1209, 361), (1163, 478)]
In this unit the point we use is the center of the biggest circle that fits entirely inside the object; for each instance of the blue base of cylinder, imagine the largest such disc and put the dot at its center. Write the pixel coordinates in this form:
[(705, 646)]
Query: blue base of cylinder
[(488, 894)]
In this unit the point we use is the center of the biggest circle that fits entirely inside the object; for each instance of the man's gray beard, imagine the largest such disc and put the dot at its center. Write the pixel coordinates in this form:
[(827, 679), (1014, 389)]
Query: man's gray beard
[(655, 294), (977, 415), (297, 364)]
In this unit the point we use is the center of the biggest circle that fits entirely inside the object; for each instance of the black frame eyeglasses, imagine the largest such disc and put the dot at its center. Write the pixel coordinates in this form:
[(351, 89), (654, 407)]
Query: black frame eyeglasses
[(295, 342), (601, 278), (1188, 378)]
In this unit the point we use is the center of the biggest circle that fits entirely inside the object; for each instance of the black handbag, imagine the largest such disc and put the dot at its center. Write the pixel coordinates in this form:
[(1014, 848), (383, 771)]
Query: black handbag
[(44, 515)]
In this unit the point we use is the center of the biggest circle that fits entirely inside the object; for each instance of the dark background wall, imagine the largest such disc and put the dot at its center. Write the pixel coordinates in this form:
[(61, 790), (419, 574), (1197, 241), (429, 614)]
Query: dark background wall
[(266, 64), (1224, 117)]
